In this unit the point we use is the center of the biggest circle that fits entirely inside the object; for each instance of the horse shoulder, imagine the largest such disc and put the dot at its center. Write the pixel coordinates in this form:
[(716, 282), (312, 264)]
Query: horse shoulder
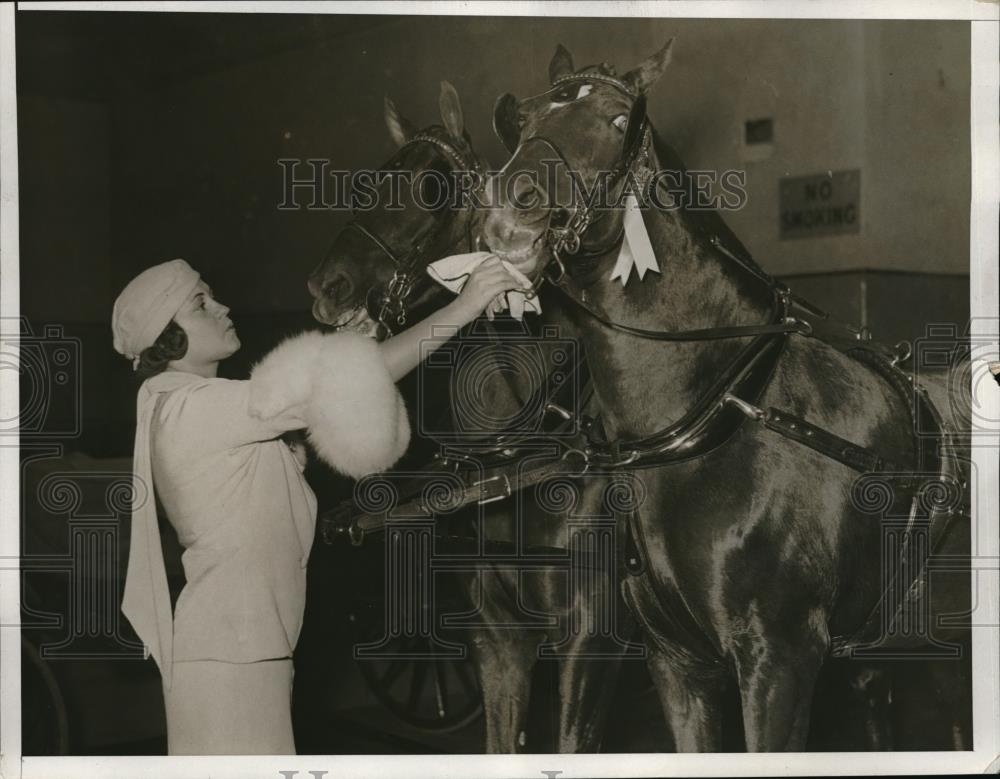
[(834, 391)]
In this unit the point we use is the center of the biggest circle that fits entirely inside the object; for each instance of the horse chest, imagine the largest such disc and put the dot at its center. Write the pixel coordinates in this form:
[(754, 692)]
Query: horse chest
[(673, 531)]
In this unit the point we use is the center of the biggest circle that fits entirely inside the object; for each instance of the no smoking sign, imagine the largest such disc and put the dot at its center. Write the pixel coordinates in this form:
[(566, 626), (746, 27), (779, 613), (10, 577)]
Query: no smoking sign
[(822, 204)]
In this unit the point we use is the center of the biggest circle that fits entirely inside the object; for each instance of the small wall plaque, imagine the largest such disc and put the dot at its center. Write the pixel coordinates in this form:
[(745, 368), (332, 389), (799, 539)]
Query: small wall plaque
[(823, 204)]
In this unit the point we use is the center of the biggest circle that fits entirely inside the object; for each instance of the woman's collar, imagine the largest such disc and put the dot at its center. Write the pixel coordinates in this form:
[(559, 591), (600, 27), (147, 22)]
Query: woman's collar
[(169, 380)]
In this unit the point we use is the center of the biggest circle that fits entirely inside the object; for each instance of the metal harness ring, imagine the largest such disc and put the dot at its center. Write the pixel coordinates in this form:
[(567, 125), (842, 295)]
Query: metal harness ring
[(583, 454)]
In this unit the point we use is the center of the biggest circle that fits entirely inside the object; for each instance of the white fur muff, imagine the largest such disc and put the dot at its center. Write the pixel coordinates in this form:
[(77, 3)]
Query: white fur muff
[(355, 416)]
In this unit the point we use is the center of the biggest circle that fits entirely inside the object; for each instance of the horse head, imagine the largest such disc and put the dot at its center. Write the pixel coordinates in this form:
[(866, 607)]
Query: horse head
[(574, 141), (374, 271)]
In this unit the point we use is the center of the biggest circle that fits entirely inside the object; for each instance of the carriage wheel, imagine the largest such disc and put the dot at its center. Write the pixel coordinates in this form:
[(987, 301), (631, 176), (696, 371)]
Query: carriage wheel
[(436, 694), (44, 723)]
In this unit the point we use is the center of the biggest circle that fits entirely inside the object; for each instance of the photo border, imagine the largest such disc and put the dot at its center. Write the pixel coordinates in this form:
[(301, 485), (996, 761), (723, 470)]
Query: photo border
[(985, 195)]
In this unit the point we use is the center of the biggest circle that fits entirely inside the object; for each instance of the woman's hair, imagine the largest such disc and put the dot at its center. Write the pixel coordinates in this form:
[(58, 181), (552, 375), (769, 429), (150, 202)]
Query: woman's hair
[(171, 344)]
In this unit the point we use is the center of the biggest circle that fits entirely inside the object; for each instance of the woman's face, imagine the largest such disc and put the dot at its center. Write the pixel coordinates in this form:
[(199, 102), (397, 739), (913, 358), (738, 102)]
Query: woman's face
[(210, 332)]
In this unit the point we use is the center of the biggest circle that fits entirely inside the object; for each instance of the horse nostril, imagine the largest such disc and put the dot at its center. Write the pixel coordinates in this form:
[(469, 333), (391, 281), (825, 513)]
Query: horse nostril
[(527, 197), (314, 287), (338, 287)]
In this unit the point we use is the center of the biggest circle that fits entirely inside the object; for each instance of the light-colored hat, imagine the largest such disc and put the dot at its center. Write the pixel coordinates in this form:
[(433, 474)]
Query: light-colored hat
[(146, 306)]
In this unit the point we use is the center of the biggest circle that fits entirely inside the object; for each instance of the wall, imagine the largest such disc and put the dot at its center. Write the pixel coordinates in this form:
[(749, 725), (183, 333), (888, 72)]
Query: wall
[(198, 175), (917, 163), (65, 207)]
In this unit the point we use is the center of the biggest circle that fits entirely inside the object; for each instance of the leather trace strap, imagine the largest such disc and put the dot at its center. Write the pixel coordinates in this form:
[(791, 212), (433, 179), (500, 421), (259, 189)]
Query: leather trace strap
[(479, 485)]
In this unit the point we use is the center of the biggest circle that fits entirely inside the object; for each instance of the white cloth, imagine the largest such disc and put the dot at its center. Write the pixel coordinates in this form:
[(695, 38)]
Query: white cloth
[(452, 273)]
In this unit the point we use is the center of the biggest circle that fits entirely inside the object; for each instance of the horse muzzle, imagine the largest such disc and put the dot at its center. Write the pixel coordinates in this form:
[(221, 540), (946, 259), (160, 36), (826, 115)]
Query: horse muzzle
[(525, 249)]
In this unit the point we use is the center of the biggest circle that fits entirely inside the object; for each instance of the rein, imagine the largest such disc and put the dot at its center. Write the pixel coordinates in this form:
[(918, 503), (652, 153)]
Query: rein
[(787, 325)]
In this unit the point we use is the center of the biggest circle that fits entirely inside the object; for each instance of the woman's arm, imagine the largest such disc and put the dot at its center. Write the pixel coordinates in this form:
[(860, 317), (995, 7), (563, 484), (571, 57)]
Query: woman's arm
[(402, 353)]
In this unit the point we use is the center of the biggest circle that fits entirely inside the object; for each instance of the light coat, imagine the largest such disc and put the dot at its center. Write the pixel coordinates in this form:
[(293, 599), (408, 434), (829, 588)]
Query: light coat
[(236, 496)]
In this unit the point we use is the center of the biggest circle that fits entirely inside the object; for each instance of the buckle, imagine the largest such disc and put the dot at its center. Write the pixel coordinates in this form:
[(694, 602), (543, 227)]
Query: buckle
[(584, 454), (901, 353), (748, 409), (802, 326), (632, 457), (507, 489)]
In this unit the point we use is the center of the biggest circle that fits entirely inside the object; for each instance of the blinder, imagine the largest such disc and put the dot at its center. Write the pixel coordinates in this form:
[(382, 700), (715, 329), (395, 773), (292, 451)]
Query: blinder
[(635, 131), (507, 122)]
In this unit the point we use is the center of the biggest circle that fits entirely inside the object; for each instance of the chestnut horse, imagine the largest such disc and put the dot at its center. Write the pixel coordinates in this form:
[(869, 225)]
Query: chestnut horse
[(758, 553), (375, 270)]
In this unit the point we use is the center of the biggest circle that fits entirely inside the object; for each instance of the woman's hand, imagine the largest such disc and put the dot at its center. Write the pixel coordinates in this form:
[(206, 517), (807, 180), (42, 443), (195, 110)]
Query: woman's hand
[(488, 281)]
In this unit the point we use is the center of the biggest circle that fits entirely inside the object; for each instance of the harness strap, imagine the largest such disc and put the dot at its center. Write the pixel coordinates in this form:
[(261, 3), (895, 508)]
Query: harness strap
[(631, 556), (711, 421), (478, 486), (788, 325), (929, 522), (826, 443)]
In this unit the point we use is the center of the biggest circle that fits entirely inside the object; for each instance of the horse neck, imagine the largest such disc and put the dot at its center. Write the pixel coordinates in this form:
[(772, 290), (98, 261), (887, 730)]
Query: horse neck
[(643, 385)]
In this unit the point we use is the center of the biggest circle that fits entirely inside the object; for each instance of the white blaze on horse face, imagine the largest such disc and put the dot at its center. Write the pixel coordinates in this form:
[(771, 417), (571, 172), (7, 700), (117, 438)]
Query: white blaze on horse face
[(583, 91)]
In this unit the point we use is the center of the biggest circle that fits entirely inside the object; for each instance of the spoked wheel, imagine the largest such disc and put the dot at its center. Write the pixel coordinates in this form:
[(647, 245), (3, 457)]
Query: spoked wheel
[(44, 723), (422, 685)]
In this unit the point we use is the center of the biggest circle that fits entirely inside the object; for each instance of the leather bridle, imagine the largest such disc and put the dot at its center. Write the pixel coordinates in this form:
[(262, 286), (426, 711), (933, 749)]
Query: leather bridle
[(387, 304), (567, 240)]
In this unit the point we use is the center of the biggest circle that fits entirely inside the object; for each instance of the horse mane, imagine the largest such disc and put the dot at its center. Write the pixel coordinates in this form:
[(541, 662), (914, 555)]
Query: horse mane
[(707, 220), (440, 131), (604, 68)]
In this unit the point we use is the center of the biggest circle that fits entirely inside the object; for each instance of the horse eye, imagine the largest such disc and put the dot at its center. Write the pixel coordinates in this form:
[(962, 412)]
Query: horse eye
[(620, 122)]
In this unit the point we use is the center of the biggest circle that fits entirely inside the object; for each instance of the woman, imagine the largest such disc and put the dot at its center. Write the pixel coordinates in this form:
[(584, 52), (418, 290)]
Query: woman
[(235, 494)]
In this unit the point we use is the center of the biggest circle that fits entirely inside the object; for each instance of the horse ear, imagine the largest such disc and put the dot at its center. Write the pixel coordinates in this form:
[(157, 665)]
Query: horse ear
[(649, 71), (400, 129), (451, 111), (561, 64)]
